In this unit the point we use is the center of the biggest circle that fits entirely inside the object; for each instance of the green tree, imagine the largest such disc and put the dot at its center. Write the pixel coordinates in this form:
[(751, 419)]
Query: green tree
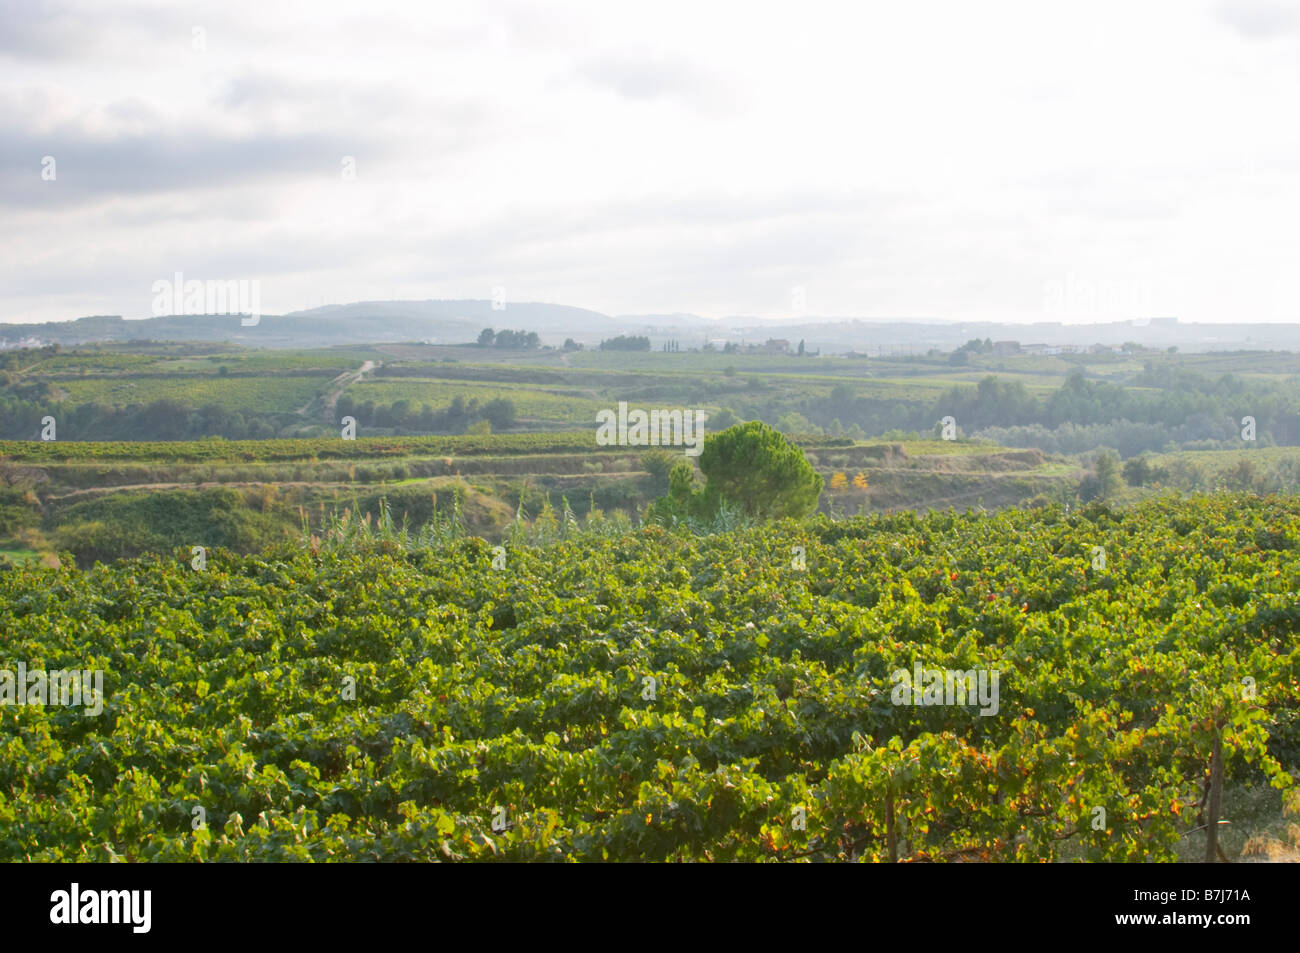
[(796, 423), (681, 481), (724, 418), (659, 464), (626, 342), (756, 468), (1137, 471), (684, 501), (1243, 476), (1106, 469), (501, 412)]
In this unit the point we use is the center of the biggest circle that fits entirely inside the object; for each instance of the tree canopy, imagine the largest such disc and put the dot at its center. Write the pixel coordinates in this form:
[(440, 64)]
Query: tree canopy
[(757, 468)]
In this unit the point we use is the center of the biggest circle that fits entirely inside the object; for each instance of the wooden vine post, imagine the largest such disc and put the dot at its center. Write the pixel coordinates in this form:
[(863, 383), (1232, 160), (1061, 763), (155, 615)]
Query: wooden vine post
[(1216, 799), (891, 838)]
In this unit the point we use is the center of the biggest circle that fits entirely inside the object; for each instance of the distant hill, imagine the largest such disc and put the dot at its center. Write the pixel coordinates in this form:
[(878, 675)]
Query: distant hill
[(364, 322), (460, 321)]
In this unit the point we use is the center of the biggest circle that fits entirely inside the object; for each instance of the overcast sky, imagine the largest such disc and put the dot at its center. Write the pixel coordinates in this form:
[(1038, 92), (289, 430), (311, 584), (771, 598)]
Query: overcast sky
[(997, 160)]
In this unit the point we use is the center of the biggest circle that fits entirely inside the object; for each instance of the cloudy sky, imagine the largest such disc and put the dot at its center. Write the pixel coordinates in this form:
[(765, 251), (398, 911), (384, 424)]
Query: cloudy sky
[(997, 160)]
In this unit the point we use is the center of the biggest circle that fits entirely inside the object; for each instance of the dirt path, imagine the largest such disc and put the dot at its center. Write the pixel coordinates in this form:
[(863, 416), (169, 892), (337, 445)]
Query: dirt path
[(337, 387)]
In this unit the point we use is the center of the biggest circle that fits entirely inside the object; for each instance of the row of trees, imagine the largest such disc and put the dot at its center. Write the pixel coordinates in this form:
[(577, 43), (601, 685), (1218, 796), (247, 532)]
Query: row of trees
[(1199, 433), (973, 346), (458, 417), (626, 342), (1246, 474), (516, 340), (1179, 408), (163, 419), (168, 419), (1081, 402)]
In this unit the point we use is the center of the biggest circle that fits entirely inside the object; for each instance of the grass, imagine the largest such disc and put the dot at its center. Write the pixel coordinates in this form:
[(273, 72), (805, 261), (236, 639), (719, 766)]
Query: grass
[(934, 448), (1057, 469), (18, 556), (1261, 827)]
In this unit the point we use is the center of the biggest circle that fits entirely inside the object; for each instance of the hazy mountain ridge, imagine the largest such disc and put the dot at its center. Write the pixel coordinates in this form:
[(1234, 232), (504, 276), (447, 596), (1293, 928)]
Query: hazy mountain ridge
[(459, 321)]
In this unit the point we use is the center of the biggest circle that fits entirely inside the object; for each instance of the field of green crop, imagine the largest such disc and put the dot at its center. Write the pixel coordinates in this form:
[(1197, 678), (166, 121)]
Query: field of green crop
[(530, 400), (99, 361), (35, 451), (265, 394), (647, 695)]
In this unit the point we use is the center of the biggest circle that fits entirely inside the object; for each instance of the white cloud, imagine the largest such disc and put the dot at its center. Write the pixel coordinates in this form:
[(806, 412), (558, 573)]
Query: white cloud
[(1260, 19), (931, 158)]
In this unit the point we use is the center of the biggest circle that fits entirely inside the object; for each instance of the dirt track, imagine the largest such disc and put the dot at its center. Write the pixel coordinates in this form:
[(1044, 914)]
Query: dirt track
[(337, 386)]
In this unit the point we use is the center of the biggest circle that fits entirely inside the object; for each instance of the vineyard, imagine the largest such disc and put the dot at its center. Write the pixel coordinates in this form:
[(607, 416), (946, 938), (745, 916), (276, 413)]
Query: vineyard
[(322, 448), (599, 692), (333, 448), (272, 393), (532, 400)]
